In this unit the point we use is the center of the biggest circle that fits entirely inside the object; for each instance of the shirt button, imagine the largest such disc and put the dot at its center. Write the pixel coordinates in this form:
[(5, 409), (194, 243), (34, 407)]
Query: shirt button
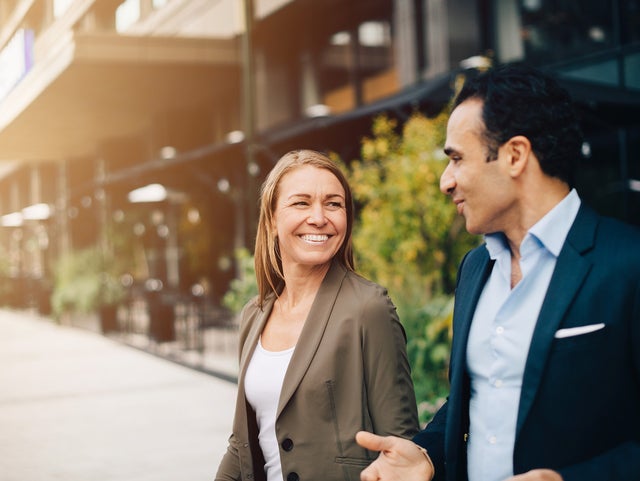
[(287, 445), (499, 330), (493, 440), (498, 383)]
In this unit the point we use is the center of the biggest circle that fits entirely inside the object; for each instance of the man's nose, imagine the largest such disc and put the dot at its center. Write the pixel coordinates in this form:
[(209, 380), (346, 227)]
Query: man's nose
[(447, 181)]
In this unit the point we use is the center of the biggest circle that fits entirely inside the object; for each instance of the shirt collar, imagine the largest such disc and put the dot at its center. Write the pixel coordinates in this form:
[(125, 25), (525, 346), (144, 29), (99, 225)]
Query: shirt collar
[(551, 231)]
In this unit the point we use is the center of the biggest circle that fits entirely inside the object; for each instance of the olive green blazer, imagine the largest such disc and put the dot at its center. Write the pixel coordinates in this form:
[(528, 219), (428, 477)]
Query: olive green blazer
[(349, 372)]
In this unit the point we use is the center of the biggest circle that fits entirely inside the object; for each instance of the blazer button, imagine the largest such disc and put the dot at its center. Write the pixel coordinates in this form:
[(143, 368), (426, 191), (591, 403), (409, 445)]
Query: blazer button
[(287, 445), (293, 477)]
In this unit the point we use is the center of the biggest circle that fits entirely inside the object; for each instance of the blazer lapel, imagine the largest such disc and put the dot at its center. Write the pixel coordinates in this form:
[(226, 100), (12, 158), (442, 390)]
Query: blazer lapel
[(570, 271), (312, 332), (249, 345)]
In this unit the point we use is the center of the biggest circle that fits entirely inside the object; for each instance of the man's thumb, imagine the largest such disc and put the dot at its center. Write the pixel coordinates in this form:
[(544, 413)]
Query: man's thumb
[(370, 441)]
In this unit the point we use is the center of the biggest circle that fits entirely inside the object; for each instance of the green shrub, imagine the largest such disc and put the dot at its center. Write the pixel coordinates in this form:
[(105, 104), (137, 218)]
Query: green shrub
[(243, 288), (85, 280)]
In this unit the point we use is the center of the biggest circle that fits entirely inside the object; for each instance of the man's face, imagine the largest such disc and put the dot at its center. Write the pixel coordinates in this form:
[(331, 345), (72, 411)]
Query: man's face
[(482, 190)]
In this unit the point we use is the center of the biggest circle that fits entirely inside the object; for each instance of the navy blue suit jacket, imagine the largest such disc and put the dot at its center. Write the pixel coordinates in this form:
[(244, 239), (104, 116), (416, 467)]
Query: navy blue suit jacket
[(579, 409)]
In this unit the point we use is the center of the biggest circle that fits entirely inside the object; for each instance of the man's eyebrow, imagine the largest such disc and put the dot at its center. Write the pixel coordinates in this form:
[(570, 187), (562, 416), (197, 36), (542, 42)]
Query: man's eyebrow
[(450, 150)]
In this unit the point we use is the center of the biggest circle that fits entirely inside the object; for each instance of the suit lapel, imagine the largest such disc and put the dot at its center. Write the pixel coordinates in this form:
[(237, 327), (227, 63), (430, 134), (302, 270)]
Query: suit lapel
[(475, 270), (569, 274), (312, 332)]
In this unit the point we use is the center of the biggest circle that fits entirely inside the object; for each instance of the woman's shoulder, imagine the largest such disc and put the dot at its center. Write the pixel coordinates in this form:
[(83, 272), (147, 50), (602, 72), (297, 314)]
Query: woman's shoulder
[(250, 310), (364, 291), (359, 282)]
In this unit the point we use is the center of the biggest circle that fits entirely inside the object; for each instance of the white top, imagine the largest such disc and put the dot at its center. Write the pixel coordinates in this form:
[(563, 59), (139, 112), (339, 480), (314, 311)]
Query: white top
[(262, 386)]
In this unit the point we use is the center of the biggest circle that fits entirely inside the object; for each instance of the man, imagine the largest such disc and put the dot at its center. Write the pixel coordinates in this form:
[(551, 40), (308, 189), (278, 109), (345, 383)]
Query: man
[(545, 359)]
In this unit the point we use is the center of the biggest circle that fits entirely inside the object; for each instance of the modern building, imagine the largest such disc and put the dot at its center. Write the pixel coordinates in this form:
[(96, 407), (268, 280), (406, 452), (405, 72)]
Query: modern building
[(146, 126)]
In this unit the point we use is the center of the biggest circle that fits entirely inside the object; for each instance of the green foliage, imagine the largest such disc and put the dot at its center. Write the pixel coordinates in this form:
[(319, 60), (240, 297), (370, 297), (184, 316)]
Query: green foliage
[(409, 238), (242, 288), (85, 280), (428, 328)]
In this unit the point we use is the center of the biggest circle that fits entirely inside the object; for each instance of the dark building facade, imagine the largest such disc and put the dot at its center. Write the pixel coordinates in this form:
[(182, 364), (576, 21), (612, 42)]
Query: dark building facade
[(146, 126)]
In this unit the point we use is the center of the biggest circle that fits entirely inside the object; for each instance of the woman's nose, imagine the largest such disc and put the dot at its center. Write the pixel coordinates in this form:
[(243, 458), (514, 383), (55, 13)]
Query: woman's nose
[(317, 216)]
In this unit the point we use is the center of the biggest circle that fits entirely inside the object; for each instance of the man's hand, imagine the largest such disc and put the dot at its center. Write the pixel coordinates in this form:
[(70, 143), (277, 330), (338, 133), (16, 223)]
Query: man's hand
[(399, 459), (537, 475)]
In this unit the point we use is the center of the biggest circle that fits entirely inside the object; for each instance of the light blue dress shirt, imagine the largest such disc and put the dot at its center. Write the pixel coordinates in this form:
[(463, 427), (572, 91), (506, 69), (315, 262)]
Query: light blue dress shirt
[(500, 335)]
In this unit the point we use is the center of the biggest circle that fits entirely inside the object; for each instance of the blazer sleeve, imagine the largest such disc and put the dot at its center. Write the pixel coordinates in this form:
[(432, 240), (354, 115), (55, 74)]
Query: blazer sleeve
[(390, 394), (229, 468), (431, 438)]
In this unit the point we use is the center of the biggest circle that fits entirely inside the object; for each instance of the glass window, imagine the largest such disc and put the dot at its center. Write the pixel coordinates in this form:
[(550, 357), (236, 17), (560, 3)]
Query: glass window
[(630, 19), (317, 58), (558, 29), (337, 65), (356, 62), (127, 13), (378, 72), (60, 7), (632, 71), (548, 31)]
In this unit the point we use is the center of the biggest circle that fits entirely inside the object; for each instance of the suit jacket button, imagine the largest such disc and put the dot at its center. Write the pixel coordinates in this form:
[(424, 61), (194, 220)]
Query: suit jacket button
[(293, 477), (287, 445)]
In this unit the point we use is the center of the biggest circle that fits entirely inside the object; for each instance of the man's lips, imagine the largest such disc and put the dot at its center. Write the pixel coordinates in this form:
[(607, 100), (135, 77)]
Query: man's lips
[(459, 205)]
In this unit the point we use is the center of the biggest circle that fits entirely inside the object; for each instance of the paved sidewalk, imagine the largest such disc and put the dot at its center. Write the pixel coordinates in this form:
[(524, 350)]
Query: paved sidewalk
[(77, 406)]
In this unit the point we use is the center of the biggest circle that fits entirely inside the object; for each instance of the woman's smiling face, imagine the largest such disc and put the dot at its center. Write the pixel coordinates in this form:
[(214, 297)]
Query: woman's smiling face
[(310, 216)]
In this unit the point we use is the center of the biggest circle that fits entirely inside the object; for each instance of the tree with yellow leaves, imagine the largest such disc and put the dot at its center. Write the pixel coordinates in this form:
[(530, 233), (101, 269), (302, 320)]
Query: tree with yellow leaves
[(409, 238)]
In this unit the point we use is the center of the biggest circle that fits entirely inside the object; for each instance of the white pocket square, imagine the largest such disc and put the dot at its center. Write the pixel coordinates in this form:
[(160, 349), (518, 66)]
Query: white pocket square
[(577, 331)]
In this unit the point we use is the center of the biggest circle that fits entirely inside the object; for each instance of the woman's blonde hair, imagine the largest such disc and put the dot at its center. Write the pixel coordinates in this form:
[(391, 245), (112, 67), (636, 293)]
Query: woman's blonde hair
[(267, 260)]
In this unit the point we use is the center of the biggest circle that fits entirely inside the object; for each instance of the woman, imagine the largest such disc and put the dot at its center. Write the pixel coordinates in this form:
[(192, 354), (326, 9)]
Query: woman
[(322, 352)]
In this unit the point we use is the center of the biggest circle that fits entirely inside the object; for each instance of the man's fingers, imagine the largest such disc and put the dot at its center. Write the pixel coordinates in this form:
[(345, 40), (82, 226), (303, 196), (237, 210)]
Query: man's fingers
[(371, 441)]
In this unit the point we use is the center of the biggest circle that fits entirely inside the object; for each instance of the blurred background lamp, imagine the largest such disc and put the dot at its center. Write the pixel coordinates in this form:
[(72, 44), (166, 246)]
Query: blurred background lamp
[(148, 193), (235, 137), (37, 212), (11, 220)]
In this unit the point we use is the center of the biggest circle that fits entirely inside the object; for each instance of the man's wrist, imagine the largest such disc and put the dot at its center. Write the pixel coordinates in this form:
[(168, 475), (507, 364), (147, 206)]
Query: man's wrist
[(429, 462)]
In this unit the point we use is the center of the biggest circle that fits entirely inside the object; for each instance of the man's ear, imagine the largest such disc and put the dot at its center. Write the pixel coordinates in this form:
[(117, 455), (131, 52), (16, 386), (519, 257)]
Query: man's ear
[(518, 150)]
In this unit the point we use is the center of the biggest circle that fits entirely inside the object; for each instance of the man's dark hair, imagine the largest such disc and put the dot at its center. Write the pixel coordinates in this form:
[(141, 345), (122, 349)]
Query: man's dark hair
[(520, 100)]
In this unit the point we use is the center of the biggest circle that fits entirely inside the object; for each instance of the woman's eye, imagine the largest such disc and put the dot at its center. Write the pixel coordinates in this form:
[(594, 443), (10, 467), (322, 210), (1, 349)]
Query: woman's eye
[(335, 205)]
